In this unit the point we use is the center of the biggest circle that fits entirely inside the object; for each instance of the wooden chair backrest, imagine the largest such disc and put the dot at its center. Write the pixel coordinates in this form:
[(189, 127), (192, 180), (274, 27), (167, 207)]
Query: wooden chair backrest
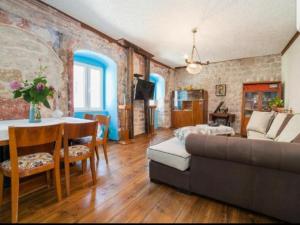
[(33, 136), (103, 120), (88, 116), (80, 130), (23, 137)]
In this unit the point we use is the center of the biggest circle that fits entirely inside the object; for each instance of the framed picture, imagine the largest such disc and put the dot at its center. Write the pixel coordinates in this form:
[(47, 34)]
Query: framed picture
[(221, 90)]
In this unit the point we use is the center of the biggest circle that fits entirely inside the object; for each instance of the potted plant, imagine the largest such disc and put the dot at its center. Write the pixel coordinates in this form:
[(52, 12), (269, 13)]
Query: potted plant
[(36, 93), (277, 104)]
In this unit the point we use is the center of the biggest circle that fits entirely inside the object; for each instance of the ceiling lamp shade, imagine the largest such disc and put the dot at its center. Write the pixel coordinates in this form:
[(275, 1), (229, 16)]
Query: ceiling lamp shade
[(193, 64)]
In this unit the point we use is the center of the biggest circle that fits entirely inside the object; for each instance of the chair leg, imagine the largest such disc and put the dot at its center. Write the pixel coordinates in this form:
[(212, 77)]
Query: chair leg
[(14, 199), (56, 176), (48, 178), (93, 169), (105, 152), (67, 177), (1, 187), (97, 152), (83, 165)]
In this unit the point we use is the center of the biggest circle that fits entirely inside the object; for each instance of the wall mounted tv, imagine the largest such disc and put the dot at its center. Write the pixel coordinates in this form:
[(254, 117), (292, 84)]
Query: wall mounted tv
[(144, 90)]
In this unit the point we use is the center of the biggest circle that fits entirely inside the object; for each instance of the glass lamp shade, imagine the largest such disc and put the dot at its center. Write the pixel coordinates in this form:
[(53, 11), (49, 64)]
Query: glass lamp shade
[(193, 68)]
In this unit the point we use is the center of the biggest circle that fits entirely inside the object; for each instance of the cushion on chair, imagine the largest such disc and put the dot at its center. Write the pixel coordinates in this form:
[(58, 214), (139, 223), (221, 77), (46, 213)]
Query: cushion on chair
[(260, 121), (76, 151), (29, 162)]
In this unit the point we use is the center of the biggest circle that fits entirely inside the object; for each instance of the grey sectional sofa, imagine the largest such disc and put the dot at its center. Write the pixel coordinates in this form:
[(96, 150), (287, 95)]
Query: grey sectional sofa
[(261, 176)]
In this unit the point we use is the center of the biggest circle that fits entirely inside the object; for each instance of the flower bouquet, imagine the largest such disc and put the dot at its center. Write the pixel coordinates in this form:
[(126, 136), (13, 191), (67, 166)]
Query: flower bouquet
[(36, 93)]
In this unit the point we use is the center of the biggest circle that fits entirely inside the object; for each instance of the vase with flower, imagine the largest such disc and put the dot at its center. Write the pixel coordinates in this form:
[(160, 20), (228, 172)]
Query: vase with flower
[(35, 92)]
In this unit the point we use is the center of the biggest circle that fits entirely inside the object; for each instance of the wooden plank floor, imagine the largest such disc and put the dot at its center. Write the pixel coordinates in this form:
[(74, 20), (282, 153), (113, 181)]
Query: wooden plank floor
[(125, 194)]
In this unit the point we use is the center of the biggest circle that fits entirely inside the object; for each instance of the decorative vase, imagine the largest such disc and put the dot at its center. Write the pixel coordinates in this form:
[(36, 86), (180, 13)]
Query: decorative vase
[(35, 113)]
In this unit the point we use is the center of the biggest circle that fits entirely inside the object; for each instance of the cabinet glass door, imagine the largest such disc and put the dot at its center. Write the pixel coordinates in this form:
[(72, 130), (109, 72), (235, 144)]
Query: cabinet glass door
[(266, 98), (251, 103)]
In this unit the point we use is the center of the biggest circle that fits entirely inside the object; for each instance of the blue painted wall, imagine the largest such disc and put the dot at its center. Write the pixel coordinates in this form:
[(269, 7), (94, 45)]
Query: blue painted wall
[(110, 88), (159, 92)]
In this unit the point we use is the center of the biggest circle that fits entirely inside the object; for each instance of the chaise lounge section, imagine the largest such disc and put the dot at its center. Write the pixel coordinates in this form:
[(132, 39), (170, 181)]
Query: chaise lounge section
[(259, 175)]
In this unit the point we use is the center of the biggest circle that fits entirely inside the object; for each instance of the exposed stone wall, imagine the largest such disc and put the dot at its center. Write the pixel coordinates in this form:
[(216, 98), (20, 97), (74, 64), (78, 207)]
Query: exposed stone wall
[(139, 115), (233, 73), (53, 31), (61, 34), (164, 113)]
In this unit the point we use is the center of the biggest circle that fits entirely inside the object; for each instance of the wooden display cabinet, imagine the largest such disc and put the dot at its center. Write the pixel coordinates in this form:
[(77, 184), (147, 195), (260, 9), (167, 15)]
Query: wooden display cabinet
[(256, 97), (189, 108)]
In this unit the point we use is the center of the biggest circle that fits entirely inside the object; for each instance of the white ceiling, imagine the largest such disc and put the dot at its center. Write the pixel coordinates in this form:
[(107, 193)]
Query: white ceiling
[(228, 29)]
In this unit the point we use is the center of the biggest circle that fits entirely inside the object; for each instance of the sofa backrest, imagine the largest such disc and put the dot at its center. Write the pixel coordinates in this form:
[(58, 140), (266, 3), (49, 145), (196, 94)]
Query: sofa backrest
[(267, 154)]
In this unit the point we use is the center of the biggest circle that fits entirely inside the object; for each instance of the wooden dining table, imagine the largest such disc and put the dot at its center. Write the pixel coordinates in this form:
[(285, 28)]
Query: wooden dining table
[(5, 124)]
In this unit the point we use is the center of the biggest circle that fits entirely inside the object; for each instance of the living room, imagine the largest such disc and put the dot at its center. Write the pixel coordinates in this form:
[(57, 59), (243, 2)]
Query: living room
[(161, 111)]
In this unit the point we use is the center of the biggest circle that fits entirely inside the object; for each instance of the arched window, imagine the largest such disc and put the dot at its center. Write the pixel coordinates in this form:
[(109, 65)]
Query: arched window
[(95, 87), (89, 87), (159, 98)]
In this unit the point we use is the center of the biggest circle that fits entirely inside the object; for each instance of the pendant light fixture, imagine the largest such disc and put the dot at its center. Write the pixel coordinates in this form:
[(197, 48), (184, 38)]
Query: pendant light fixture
[(193, 64)]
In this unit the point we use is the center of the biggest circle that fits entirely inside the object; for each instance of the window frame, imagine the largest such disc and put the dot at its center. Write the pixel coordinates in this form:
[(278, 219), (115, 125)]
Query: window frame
[(87, 97)]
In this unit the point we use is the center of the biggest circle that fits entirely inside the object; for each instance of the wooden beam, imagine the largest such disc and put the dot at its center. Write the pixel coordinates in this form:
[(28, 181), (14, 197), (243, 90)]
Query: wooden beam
[(146, 101), (130, 84), (294, 38), (180, 67), (162, 64), (126, 44)]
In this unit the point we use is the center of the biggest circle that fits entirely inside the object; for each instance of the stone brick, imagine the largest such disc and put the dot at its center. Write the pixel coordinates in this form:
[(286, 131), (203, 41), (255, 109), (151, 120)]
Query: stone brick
[(233, 73)]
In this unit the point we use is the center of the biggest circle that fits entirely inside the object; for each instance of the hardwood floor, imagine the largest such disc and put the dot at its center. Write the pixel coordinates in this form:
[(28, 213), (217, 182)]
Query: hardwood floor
[(124, 194)]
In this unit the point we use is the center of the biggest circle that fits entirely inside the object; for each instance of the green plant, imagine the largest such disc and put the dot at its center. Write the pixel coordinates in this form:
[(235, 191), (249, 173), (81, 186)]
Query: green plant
[(276, 102), (34, 92)]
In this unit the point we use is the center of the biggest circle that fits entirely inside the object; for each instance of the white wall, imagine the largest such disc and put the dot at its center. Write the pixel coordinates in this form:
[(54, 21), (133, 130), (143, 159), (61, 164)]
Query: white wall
[(298, 15), (291, 76)]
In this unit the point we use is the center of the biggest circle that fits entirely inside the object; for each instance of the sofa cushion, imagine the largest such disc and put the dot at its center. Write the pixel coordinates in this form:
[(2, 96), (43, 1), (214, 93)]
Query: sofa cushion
[(260, 121), (297, 139), (253, 135), (286, 121), (171, 153), (276, 125), (291, 131)]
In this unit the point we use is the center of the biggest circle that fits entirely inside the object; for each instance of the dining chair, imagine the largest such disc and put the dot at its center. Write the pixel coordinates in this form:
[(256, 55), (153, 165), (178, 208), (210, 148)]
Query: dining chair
[(88, 116), (20, 165), (102, 137), (75, 153)]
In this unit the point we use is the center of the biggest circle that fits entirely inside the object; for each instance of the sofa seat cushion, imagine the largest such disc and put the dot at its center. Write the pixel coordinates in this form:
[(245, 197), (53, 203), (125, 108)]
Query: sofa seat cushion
[(253, 135), (260, 121), (30, 162), (171, 153), (291, 131)]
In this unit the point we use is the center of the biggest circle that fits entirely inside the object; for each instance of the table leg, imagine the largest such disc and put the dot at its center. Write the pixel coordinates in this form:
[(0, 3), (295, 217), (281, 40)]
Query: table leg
[(4, 155)]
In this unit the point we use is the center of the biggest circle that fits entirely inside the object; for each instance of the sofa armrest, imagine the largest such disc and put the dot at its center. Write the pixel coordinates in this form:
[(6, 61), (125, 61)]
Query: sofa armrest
[(268, 154)]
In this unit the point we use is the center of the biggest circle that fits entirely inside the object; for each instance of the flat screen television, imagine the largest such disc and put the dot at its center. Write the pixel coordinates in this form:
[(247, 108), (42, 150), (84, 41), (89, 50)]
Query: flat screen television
[(144, 90)]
